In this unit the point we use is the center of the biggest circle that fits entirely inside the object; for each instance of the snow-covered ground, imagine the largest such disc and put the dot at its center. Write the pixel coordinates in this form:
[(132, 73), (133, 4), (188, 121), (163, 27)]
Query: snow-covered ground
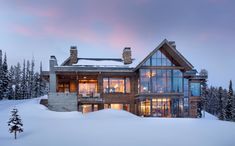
[(43, 127)]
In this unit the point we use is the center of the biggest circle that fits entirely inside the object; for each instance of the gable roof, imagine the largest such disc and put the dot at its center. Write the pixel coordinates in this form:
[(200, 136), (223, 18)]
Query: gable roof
[(175, 54)]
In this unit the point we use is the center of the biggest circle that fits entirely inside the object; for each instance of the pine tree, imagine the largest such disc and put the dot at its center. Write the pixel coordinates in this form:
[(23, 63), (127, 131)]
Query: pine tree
[(5, 78), (220, 107), (18, 89), (230, 94), (11, 85), (205, 94), (28, 79), (42, 83), (15, 123), (24, 82), (36, 87), (199, 109), (229, 106), (1, 81), (31, 79)]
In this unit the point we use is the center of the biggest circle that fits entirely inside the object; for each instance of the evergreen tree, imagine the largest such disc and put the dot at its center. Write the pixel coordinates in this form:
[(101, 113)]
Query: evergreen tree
[(205, 94), (31, 79), (199, 109), (220, 107), (1, 81), (11, 85), (28, 79), (24, 82), (229, 107), (15, 123), (42, 83), (36, 88), (18, 89), (5, 78)]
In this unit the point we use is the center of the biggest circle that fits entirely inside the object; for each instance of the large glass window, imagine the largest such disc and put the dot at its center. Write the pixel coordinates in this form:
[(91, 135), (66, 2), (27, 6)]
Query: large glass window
[(145, 75), (177, 81), (145, 108), (195, 89), (161, 107), (158, 59), (116, 85), (87, 87), (160, 80), (186, 96)]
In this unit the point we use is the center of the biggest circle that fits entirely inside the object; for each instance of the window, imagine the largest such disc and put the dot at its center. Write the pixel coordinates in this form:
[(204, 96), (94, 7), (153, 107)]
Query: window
[(125, 107), (116, 85), (195, 89), (87, 87), (161, 81), (63, 87), (177, 81), (145, 75)]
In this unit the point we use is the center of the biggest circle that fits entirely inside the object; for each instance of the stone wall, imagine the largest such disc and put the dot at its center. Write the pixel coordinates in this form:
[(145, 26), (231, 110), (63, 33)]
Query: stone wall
[(62, 102)]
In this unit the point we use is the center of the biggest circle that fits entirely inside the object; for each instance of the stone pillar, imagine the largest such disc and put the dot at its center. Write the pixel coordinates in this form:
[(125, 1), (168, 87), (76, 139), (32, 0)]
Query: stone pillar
[(53, 63), (126, 55)]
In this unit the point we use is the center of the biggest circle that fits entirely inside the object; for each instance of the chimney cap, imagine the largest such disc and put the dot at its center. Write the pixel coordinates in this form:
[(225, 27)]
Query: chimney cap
[(172, 43), (127, 49), (73, 47), (53, 57)]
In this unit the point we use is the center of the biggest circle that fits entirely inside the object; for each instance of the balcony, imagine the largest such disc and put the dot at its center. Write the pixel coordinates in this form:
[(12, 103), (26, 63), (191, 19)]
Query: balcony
[(88, 98)]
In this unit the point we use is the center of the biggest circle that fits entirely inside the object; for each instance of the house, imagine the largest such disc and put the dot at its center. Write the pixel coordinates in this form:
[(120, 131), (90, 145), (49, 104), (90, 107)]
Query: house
[(163, 84)]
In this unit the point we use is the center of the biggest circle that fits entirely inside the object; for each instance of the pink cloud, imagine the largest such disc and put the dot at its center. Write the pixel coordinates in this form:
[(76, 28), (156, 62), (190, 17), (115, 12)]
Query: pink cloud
[(22, 30)]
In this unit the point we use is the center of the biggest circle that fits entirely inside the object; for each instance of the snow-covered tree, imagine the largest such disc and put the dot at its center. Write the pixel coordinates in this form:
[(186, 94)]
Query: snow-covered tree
[(5, 78), (31, 79), (229, 105), (28, 79), (36, 87), (15, 123), (220, 107), (1, 81), (24, 82), (18, 89), (199, 109)]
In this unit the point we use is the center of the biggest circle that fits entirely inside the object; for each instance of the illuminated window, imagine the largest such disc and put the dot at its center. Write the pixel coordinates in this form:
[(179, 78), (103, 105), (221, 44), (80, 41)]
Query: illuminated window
[(116, 85), (145, 75), (63, 87), (87, 86)]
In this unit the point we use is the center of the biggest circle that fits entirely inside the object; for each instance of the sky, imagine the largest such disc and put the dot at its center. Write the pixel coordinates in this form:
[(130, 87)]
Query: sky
[(204, 30)]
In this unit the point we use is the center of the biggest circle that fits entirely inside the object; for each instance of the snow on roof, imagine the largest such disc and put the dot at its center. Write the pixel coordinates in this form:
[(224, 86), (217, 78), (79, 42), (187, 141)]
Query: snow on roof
[(104, 63)]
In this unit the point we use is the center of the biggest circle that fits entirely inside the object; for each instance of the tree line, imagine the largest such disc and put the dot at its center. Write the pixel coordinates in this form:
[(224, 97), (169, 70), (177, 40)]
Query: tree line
[(219, 102), (20, 81)]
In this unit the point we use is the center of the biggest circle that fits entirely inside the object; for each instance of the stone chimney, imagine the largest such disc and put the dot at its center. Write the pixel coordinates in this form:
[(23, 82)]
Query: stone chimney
[(172, 43), (126, 55), (73, 55), (52, 63)]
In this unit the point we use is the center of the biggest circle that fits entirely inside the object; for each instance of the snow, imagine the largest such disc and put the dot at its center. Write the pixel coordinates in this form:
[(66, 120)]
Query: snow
[(103, 63), (43, 127)]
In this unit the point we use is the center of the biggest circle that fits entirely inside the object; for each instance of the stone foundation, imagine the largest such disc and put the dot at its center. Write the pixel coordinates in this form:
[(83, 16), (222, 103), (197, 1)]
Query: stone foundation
[(62, 102)]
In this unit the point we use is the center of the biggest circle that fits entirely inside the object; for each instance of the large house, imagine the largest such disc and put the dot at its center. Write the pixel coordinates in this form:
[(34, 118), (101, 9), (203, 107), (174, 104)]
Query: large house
[(163, 84)]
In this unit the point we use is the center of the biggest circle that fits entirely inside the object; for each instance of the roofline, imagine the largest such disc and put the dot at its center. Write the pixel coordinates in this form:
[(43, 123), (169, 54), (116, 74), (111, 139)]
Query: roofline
[(165, 41)]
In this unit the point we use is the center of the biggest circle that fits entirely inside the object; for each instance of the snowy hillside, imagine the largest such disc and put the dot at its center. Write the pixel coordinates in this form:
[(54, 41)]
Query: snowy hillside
[(109, 128)]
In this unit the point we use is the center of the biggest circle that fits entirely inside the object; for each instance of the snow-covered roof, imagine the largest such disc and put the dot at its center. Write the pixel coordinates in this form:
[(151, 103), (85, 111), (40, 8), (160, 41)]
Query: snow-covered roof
[(104, 63)]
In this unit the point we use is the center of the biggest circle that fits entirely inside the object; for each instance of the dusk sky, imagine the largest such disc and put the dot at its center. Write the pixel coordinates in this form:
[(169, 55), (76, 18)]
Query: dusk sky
[(204, 30)]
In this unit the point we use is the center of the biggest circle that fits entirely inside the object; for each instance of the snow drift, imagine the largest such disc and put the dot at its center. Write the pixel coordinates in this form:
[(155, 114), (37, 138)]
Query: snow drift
[(43, 127)]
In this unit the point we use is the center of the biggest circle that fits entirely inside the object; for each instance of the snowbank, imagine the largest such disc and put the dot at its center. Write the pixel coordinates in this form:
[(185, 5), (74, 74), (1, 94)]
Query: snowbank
[(43, 127), (110, 114)]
